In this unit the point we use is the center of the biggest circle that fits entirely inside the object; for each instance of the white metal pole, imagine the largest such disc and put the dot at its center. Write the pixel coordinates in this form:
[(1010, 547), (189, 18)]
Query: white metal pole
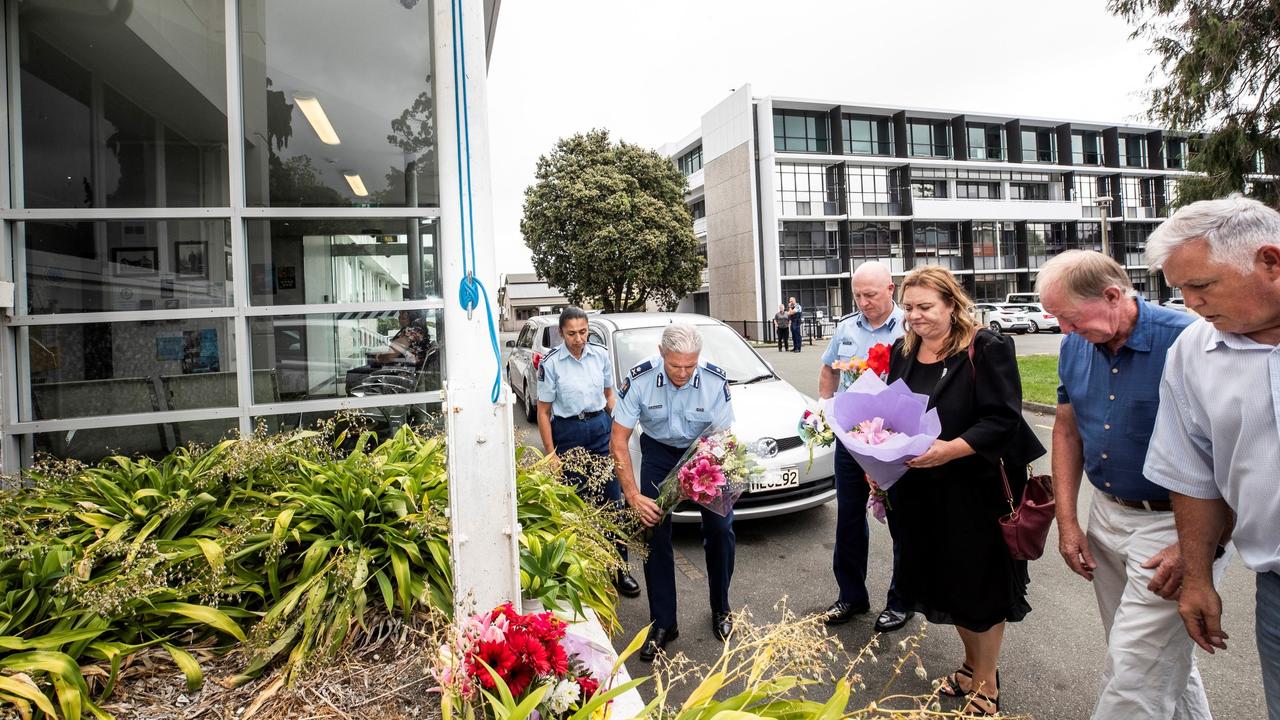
[(482, 502)]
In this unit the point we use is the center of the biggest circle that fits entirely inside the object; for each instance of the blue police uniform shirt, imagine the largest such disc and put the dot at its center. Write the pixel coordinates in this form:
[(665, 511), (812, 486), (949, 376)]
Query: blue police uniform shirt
[(674, 416), (854, 336), (574, 385), (1115, 397)]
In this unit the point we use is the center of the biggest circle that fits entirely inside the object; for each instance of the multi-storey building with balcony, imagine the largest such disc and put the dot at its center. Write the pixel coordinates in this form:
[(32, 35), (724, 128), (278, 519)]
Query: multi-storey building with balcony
[(789, 195)]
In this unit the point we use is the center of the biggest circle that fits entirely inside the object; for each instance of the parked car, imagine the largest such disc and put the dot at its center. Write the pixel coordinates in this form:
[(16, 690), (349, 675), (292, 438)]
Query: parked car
[(1176, 303), (538, 336), (766, 410), (1022, 298), (1002, 319), (1038, 317)]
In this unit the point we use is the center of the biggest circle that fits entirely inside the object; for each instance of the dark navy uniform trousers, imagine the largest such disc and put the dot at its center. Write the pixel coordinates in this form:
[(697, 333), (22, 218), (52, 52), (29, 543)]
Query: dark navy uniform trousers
[(718, 542), (852, 533), (592, 434)]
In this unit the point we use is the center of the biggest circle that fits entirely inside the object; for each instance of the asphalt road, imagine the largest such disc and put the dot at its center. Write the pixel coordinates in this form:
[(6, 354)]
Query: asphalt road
[(1051, 661)]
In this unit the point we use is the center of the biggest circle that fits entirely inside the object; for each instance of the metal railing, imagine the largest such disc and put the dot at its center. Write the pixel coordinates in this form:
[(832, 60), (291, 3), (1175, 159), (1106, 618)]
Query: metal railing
[(766, 332)]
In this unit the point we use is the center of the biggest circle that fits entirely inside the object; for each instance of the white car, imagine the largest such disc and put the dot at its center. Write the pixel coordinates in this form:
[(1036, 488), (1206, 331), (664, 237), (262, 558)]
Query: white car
[(1038, 317), (538, 336), (1002, 319), (1176, 303), (766, 411)]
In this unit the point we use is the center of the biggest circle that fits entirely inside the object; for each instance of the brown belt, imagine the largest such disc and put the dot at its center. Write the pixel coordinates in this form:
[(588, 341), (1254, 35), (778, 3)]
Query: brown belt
[(1152, 505)]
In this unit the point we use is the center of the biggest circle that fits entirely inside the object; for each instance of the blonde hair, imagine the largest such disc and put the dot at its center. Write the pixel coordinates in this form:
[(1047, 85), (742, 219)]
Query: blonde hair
[(1084, 275), (963, 326)]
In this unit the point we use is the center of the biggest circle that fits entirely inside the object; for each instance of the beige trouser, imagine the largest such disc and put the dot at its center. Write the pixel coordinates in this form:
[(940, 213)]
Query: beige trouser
[(1150, 673)]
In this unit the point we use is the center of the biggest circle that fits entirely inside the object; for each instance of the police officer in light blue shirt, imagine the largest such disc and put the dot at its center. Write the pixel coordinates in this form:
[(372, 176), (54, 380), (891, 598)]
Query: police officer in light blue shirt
[(674, 398), (575, 393), (880, 322)]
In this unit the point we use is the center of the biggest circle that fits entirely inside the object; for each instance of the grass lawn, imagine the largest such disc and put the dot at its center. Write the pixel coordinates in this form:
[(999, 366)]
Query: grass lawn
[(1039, 378)]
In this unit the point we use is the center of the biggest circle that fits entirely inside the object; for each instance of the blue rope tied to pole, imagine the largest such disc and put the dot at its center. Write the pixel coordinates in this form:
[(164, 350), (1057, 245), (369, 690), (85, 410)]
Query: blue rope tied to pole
[(470, 290)]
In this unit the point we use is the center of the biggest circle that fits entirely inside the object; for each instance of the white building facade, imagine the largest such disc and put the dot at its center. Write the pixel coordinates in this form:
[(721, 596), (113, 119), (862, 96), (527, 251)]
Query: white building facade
[(789, 195)]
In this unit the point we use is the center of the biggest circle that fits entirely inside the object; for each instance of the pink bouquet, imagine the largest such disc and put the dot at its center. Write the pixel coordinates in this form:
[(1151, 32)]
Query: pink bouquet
[(713, 473), (872, 432)]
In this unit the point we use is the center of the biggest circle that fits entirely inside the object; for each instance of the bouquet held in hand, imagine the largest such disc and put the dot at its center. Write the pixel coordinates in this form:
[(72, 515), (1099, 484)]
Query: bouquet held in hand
[(713, 473), (876, 363), (815, 431), (883, 426)]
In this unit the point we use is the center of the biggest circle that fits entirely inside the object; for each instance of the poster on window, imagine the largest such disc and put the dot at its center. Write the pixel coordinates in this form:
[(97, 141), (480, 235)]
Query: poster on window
[(200, 351)]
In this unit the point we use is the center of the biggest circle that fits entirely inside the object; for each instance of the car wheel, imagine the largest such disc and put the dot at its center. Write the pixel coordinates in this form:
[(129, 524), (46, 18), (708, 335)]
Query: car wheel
[(995, 326), (530, 406), (1034, 327)]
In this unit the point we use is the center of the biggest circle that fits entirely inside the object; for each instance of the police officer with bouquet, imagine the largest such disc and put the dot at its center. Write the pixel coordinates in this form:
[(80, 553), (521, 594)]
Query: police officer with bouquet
[(674, 399), (575, 395)]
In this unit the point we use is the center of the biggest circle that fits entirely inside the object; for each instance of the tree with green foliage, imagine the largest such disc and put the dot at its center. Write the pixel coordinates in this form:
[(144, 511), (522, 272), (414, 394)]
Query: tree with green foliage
[(1219, 71), (607, 224)]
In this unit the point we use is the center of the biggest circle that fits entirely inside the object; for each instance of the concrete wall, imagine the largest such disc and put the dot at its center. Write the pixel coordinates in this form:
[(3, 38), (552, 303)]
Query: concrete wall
[(731, 250)]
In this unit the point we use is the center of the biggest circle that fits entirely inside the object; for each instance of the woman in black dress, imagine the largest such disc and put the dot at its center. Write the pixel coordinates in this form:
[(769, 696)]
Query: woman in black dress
[(954, 566)]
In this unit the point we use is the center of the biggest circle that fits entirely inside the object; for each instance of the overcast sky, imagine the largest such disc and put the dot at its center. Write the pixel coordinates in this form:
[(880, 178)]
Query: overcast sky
[(647, 71)]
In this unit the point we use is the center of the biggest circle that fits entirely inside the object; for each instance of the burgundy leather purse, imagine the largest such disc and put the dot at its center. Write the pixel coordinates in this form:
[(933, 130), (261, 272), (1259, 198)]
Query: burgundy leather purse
[(1026, 527)]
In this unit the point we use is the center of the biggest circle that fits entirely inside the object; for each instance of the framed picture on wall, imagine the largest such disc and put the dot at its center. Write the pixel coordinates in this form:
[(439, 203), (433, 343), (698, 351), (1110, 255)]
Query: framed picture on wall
[(191, 259), (133, 261)]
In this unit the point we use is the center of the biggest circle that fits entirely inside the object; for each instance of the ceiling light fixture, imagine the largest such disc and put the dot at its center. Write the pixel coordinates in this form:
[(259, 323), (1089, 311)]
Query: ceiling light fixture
[(315, 115), (357, 185)]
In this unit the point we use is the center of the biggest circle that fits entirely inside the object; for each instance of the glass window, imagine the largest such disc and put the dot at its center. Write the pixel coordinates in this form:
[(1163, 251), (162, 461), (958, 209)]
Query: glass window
[(929, 138), (107, 266), (818, 295), (350, 354), (985, 142), (873, 190), (1175, 151), (1085, 148), (690, 162), (1028, 191), (929, 188), (1044, 240), (797, 131), (978, 190), (877, 241), (154, 441), (81, 370), (808, 190), (305, 261), (383, 421), (1134, 148), (698, 209), (1039, 145), (1088, 188), (938, 244), (867, 135), (122, 107), (994, 287), (808, 248), (993, 246), (338, 104)]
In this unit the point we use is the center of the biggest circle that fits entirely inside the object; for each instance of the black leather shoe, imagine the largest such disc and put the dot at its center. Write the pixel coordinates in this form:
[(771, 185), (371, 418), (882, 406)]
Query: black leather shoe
[(656, 641), (626, 585), (721, 625), (842, 612), (891, 619)]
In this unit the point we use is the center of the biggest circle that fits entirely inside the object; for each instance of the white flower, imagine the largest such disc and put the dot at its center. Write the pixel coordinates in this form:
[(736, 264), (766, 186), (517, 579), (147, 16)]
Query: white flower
[(565, 694)]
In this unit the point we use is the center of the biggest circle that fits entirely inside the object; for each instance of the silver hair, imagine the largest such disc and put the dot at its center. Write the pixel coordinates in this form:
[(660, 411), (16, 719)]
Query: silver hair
[(1234, 227), (1084, 275), (681, 338)]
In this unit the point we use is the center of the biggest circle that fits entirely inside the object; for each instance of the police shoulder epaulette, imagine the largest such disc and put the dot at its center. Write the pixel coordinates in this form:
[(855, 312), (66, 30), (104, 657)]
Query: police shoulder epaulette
[(640, 369), (551, 352), (846, 317), (597, 344), (715, 370)]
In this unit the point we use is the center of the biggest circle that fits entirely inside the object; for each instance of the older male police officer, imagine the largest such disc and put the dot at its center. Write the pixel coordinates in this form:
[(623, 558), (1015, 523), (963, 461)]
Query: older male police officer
[(575, 393), (675, 399)]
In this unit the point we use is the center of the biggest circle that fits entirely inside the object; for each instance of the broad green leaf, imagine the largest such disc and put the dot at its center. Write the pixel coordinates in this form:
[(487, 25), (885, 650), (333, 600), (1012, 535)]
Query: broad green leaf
[(203, 614), (188, 665)]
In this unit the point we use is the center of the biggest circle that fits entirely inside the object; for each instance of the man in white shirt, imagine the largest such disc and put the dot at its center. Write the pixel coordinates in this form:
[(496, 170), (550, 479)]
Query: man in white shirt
[(1216, 443)]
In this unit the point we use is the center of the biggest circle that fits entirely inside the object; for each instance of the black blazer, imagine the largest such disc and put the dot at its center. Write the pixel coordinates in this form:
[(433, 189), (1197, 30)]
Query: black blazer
[(981, 402)]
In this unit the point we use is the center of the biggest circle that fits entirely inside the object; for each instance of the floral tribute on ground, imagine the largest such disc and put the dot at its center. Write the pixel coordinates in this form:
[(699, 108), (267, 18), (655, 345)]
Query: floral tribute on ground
[(528, 655), (883, 426)]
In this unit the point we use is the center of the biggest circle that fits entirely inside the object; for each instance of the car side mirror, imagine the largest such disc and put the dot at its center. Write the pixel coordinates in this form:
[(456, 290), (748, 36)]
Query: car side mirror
[(511, 343)]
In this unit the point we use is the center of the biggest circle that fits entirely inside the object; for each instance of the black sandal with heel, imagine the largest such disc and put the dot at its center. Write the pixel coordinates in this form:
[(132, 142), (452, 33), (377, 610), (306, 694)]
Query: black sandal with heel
[(949, 686)]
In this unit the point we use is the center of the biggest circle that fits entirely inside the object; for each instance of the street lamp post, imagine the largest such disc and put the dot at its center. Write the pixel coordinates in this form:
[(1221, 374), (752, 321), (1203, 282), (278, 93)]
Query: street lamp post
[(1104, 208)]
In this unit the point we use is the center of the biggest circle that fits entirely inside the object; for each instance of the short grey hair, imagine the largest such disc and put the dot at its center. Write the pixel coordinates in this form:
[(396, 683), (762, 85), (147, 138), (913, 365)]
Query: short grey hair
[(1234, 226), (1084, 275), (681, 338)]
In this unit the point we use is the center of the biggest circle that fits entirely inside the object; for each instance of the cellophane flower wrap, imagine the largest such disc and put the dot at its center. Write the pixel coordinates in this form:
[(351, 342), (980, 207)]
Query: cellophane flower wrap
[(907, 414), (713, 473), (814, 429), (527, 652)]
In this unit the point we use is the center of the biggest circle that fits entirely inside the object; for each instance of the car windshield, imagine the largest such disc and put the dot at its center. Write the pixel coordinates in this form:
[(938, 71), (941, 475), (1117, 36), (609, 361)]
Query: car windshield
[(720, 346)]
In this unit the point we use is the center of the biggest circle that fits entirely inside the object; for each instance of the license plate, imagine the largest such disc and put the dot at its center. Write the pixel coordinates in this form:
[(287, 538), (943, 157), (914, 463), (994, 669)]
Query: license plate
[(786, 477)]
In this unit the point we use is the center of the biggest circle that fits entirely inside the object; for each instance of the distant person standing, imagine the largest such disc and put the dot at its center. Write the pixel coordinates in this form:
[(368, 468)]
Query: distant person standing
[(575, 398), (796, 312), (782, 326)]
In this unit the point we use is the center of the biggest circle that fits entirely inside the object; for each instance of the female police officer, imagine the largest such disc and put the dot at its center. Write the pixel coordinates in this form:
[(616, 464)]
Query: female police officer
[(575, 393)]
